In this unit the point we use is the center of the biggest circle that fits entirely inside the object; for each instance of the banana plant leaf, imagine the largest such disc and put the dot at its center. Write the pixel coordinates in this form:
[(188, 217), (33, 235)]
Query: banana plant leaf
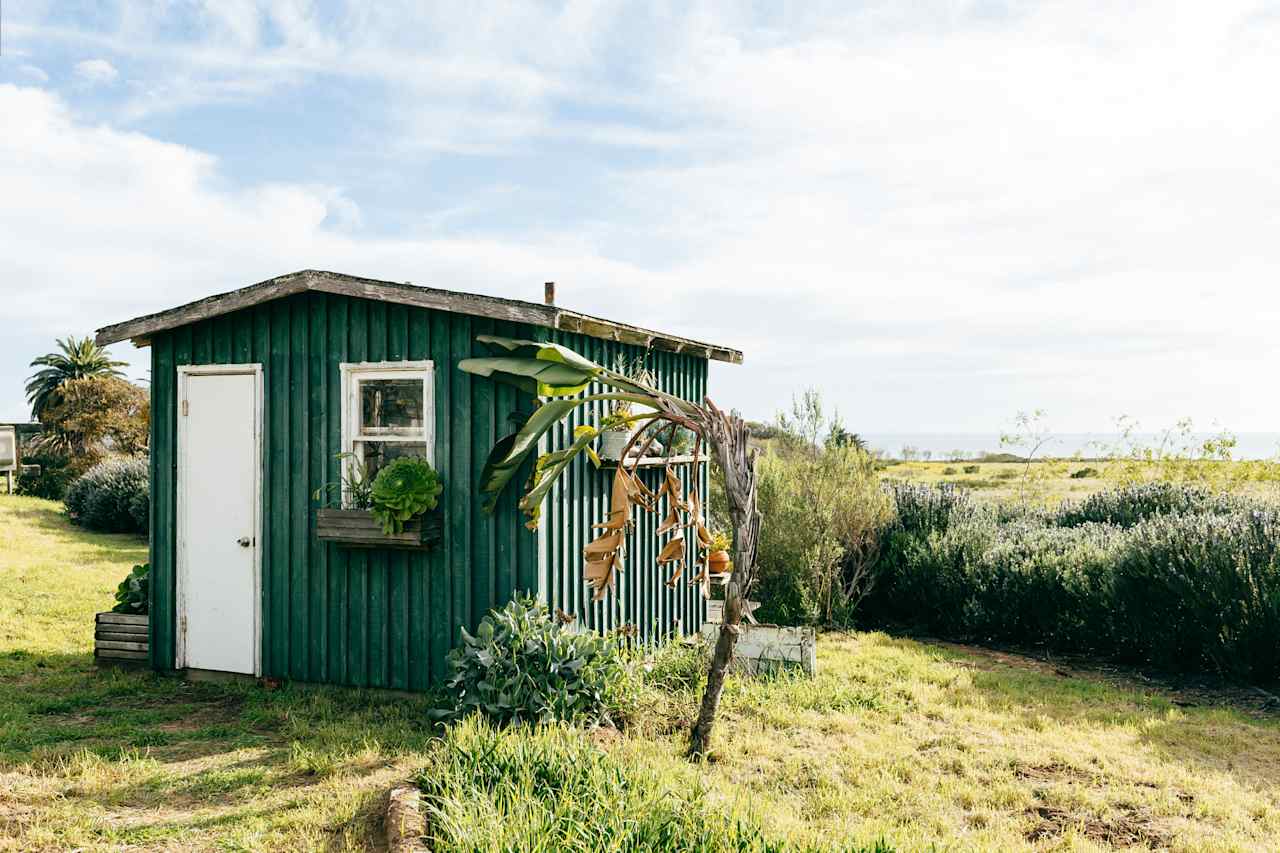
[(555, 353), (550, 466), (509, 454), (542, 351), (538, 377)]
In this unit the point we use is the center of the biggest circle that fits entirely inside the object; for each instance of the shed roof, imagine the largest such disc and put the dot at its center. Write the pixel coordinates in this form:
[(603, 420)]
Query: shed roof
[(140, 329)]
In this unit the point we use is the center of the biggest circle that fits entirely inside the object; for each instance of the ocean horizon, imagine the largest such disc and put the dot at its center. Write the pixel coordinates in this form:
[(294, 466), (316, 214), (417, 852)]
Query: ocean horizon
[(971, 445)]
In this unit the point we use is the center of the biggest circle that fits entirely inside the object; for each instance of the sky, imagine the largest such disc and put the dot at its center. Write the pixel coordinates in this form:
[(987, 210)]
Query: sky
[(937, 213)]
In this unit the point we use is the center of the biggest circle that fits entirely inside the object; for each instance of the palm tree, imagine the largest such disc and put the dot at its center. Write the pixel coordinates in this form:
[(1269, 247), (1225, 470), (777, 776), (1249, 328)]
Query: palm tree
[(79, 357)]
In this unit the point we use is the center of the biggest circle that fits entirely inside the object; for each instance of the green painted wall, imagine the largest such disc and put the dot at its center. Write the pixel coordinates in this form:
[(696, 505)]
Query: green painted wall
[(387, 618)]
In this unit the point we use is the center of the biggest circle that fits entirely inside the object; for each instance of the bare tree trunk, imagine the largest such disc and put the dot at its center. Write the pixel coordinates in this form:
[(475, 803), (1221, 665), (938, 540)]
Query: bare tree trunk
[(727, 435)]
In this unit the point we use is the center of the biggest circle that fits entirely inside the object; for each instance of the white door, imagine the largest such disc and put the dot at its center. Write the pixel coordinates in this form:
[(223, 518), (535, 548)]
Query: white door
[(219, 464)]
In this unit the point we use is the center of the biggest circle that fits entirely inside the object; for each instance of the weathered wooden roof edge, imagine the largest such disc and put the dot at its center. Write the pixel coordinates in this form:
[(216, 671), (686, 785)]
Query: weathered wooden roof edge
[(140, 329)]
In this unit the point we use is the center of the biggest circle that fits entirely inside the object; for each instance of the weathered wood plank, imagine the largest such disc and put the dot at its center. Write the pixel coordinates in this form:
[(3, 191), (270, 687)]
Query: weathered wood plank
[(124, 619), (119, 645), (121, 635), (116, 654)]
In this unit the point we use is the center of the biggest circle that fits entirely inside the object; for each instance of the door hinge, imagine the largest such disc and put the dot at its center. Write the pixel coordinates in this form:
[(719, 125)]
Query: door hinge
[(184, 408)]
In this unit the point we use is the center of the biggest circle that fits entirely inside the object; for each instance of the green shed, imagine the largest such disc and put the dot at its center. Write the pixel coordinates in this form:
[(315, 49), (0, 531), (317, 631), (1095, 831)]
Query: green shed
[(256, 392)]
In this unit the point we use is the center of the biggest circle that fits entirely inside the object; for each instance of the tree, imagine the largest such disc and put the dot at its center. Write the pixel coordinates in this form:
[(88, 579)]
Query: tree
[(1031, 434), (560, 376), (92, 414), (79, 357)]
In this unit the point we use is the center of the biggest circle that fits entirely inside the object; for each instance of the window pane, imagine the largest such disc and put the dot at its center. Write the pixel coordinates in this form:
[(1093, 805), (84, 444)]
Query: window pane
[(391, 406), (375, 454)]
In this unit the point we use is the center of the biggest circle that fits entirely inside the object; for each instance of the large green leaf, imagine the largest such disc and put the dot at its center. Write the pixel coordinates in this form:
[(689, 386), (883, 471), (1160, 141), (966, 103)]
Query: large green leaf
[(550, 466), (539, 377), (509, 453), (541, 350)]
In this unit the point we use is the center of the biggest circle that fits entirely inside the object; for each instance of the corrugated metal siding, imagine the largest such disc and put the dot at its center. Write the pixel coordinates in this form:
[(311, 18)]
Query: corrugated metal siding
[(581, 499), (380, 618), (387, 618)]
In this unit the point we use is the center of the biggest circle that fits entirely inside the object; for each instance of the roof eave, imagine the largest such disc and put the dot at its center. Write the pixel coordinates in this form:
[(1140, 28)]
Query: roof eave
[(140, 329)]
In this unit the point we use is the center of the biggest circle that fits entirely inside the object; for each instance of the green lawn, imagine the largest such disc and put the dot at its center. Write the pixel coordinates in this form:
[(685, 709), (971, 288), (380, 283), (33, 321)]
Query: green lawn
[(912, 743)]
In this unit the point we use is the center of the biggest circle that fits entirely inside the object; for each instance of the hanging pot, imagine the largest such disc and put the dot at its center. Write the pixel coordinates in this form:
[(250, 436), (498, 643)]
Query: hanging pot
[(612, 443), (718, 562)]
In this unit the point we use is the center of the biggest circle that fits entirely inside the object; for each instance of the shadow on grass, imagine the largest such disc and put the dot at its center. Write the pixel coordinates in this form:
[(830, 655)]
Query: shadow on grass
[(1209, 729), (141, 745), (51, 520)]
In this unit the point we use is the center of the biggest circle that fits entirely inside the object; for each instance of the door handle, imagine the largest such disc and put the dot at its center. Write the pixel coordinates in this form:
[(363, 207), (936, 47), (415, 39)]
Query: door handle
[(243, 541)]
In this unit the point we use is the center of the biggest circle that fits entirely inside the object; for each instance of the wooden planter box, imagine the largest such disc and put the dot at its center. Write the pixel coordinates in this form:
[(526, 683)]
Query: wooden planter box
[(356, 528), (770, 648), (121, 638)]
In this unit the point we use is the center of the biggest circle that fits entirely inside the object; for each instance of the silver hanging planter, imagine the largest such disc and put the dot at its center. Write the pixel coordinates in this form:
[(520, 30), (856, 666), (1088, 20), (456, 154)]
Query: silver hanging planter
[(612, 443)]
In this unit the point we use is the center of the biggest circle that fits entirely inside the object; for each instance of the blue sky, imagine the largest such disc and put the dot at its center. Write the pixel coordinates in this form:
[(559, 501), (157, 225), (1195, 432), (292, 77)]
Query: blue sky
[(939, 213)]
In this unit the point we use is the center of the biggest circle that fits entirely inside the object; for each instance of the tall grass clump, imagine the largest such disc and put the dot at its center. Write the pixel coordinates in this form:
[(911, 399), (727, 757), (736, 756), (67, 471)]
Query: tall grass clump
[(1174, 577), (550, 788)]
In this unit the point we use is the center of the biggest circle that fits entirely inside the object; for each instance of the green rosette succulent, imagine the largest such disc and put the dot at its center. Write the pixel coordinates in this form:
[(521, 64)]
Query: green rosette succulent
[(404, 489)]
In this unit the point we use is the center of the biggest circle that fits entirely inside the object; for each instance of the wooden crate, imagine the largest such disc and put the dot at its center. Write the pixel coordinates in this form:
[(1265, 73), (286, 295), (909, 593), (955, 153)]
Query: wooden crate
[(121, 638), (356, 528)]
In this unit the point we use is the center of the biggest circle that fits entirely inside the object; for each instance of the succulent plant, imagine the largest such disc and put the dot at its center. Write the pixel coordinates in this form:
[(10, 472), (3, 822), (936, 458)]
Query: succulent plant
[(404, 489), (132, 596)]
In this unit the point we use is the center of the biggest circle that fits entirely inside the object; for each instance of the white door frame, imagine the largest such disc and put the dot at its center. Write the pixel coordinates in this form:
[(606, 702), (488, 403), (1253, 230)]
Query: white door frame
[(184, 373)]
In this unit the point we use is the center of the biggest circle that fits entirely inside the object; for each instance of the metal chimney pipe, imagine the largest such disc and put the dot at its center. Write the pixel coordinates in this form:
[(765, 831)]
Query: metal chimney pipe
[(549, 293)]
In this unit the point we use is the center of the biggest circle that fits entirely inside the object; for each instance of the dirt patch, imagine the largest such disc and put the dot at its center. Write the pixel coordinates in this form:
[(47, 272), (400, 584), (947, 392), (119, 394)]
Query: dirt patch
[(1053, 772), (1132, 826), (605, 737)]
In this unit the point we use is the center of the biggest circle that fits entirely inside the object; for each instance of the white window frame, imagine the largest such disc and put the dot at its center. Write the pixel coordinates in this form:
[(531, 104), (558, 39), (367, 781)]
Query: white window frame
[(353, 372)]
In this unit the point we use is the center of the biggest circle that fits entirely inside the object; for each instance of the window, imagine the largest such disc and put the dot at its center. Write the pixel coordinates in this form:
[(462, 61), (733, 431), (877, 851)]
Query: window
[(387, 412)]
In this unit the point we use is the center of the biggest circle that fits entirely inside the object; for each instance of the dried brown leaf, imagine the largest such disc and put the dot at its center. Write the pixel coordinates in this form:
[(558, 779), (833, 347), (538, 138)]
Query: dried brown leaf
[(673, 550)]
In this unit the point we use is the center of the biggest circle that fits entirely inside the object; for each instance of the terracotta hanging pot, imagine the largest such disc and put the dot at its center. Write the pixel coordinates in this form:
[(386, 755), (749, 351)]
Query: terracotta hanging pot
[(718, 562)]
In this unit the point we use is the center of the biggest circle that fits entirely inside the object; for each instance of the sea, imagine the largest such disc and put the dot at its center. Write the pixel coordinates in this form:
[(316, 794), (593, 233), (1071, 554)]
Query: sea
[(972, 445)]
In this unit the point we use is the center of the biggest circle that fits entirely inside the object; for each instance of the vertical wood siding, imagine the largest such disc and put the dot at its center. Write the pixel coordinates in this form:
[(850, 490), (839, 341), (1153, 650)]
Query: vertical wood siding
[(379, 618), (386, 618)]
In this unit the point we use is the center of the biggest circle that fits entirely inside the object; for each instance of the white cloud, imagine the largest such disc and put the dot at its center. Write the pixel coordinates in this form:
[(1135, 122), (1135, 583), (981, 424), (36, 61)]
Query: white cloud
[(96, 71), (33, 72)]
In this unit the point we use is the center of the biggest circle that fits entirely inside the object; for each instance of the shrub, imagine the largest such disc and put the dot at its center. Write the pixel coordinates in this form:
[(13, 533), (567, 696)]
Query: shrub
[(1084, 473), (491, 789), (1130, 505), (112, 497), (1172, 577), (404, 488), (1203, 592), (921, 509), (822, 512), (51, 481), (949, 470), (822, 516), (133, 594), (972, 469), (523, 665)]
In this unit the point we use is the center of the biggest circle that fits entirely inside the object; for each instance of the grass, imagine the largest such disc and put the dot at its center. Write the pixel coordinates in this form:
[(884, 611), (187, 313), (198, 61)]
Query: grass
[(1050, 481), (908, 743)]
